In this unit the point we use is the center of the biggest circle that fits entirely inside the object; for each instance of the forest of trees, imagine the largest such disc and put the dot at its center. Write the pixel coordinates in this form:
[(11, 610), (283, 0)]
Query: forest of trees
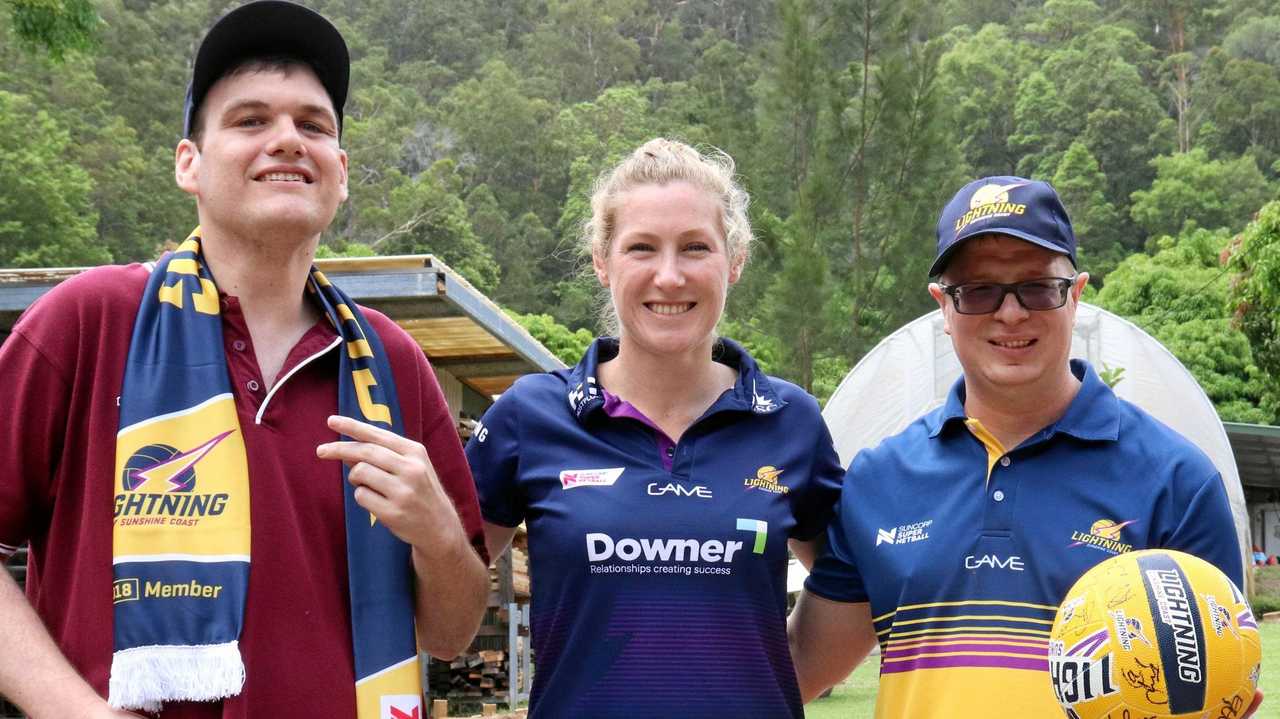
[(476, 127)]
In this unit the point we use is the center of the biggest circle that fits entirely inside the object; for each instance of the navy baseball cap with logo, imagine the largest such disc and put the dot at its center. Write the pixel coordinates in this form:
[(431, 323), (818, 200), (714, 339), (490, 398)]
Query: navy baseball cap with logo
[(264, 29), (1027, 209)]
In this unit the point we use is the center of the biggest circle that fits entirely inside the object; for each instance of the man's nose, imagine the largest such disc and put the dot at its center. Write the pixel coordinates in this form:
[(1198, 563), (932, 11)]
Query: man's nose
[(1011, 309), (285, 138)]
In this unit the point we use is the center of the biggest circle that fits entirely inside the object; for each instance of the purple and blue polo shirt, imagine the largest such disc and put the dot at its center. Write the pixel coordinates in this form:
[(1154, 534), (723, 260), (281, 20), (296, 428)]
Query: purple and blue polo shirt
[(658, 569)]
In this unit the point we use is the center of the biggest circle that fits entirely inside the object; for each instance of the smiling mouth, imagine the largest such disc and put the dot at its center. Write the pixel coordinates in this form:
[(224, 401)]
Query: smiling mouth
[(667, 308), (1012, 344), (284, 177)]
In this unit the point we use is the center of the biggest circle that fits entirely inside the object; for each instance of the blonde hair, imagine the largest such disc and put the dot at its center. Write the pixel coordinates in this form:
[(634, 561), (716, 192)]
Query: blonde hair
[(661, 161)]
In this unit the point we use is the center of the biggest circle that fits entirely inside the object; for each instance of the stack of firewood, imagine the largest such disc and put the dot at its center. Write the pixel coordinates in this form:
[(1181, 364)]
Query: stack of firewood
[(472, 675)]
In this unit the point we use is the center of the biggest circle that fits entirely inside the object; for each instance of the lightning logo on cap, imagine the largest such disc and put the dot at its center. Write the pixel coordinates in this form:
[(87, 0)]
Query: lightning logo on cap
[(991, 201), (990, 194)]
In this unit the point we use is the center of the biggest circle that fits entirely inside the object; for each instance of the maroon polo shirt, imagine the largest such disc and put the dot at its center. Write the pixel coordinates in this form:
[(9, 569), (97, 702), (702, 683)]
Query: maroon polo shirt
[(63, 368)]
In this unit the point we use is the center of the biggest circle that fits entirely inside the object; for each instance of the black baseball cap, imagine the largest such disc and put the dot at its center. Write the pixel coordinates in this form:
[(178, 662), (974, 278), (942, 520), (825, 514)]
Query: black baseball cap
[(1027, 209), (270, 27)]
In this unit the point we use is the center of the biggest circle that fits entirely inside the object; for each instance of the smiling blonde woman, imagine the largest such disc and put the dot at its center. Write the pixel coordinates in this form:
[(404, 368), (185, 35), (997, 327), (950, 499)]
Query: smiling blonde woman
[(663, 477)]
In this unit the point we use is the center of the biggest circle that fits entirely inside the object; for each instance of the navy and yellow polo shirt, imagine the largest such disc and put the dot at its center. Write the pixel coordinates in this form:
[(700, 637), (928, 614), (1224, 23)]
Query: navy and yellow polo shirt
[(965, 549), (659, 589)]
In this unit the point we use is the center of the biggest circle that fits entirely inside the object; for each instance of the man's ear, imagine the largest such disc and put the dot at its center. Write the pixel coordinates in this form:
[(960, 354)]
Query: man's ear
[(935, 291), (342, 157), (1082, 279), (186, 166)]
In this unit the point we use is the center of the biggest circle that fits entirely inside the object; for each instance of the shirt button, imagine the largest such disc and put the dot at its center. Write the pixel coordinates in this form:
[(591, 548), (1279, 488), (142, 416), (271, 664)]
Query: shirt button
[(253, 385), (998, 495), (671, 451), (239, 345), (1005, 461)]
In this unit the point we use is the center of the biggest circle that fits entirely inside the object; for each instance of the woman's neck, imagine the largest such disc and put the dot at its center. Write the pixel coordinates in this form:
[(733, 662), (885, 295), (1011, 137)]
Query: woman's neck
[(672, 391)]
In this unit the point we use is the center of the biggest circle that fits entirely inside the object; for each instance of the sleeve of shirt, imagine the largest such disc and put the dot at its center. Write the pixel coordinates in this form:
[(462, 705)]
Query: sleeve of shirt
[(445, 450), (493, 452), (835, 574), (34, 401), (1206, 528), (816, 501)]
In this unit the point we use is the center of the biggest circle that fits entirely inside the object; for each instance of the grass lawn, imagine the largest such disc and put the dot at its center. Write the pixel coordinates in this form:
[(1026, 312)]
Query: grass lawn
[(853, 699), (856, 697), (1270, 682)]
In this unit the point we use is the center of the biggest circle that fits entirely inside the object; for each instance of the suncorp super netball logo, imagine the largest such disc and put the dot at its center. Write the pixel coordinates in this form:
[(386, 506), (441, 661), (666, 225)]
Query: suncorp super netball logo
[(991, 201), (159, 486)]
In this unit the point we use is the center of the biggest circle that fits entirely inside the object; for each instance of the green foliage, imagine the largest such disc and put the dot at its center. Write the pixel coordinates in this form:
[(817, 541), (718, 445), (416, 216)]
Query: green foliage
[(1264, 605), (1179, 296), (1040, 117), (502, 134), (57, 26), (1081, 184), (591, 137), (982, 74), (350, 249), (721, 90), (1255, 294), (566, 344), (801, 294), (425, 215), (476, 128), (1100, 78), (765, 348), (1191, 188), (1111, 376), (1257, 39), (856, 156), (46, 214), (1066, 19), (580, 49), (1241, 101), (828, 372)]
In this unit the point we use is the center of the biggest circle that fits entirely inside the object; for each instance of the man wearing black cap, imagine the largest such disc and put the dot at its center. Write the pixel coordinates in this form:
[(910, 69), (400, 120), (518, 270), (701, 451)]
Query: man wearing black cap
[(262, 475), (956, 539)]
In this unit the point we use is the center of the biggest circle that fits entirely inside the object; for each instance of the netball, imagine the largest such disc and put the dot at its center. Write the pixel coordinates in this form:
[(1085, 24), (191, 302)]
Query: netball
[(1154, 633)]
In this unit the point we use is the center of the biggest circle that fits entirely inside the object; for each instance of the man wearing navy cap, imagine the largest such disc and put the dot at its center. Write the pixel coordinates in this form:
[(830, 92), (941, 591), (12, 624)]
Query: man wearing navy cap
[(243, 493), (957, 538)]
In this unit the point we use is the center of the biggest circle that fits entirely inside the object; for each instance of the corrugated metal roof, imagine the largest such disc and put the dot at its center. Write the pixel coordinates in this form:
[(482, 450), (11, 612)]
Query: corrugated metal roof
[(1257, 451)]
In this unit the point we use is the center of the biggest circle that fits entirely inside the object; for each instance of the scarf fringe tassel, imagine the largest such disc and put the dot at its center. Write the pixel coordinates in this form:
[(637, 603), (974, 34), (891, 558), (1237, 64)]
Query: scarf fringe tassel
[(145, 677)]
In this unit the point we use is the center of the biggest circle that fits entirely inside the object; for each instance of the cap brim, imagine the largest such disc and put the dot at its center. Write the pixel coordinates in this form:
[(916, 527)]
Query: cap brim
[(940, 263)]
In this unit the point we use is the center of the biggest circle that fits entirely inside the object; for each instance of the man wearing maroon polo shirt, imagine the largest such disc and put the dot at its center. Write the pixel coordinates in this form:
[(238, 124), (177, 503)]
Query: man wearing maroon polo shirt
[(261, 155)]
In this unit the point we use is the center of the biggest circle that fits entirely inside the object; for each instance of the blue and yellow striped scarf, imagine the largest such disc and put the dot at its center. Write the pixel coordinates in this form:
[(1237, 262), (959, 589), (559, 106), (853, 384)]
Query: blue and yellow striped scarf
[(181, 531)]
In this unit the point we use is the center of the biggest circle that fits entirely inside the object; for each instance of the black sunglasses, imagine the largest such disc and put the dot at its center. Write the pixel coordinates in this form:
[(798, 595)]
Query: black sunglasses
[(980, 298)]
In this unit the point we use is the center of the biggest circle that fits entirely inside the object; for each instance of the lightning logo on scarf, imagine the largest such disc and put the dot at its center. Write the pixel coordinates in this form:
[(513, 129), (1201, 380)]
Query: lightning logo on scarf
[(181, 530)]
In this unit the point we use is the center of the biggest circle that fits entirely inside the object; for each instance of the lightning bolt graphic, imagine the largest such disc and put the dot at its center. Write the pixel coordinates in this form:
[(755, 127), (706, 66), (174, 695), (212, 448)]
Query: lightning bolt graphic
[(769, 476), (177, 464), (1005, 188), (1118, 527)]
